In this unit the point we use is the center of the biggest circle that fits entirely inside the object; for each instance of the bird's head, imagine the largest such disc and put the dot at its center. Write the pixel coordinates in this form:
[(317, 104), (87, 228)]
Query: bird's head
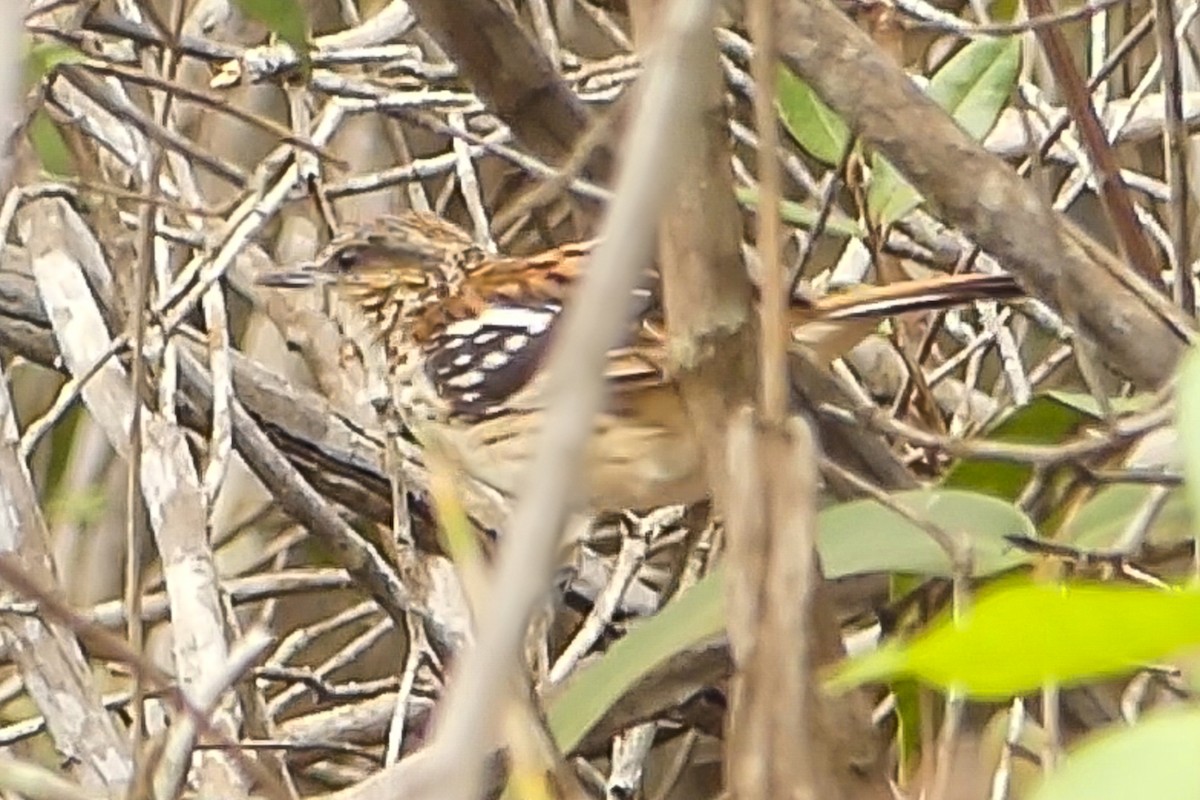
[(391, 267)]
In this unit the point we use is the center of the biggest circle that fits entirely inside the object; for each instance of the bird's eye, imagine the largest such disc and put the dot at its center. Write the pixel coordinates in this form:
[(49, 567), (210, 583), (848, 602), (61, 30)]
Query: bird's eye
[(348, 258)]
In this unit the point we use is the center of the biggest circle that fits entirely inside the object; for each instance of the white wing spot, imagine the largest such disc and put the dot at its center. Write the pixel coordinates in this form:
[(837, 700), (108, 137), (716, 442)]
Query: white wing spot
[(454, 342), (521, 318), (494, 360), (515, 342), (461, 360), (466, 380), (486, 337), (464, 327), (540, 325)]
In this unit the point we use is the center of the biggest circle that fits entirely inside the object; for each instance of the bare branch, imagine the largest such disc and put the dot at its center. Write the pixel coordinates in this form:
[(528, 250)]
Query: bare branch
[(1133, 326)]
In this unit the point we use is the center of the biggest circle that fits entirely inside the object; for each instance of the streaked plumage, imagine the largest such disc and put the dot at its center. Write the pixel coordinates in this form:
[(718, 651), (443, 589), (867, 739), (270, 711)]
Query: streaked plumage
[(463, 337)]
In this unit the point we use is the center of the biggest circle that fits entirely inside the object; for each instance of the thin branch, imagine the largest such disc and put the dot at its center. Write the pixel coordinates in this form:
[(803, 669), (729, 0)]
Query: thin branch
[(577, 365)]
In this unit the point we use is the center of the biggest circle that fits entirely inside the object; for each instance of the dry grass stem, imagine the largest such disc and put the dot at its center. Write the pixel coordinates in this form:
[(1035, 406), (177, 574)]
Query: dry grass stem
[(474, 702)]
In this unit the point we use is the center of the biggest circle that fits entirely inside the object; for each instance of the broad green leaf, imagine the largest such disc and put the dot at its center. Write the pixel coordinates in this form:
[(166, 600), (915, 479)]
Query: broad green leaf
[(284, 18), (837, 222), (811, 123), (1044, 420), (1109, 514), (852, 538), (1019, 636), (1155, 758), (972, 87), (1188, 424), (697, 615), (1087, 403), (975, 83), (864, 536)]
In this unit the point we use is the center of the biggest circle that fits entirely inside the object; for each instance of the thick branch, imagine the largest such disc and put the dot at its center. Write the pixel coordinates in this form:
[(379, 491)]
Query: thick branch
[(1136, 329), (512, 75)]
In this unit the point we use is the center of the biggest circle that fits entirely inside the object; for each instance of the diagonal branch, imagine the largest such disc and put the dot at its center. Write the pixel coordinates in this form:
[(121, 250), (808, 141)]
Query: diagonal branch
[(1140, 333), (513, 76)]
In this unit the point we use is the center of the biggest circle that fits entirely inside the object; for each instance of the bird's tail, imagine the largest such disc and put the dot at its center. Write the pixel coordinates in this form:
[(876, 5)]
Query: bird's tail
[(829, 326)]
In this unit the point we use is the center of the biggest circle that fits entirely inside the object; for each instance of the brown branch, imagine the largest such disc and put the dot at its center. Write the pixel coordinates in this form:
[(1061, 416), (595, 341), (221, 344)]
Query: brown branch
[(779, 615), (46, 652), (270, 419), (1135, 328), (1175, 144), (667, 94), (513, 76), (1113, 191), (340, 459)]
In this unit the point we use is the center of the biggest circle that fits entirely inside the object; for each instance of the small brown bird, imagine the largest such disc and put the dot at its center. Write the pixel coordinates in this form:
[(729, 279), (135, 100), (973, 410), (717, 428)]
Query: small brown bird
[(463, 336)]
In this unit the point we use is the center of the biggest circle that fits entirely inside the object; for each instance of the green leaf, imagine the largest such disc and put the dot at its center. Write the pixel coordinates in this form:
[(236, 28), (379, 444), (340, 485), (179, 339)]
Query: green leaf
[(1108, 515), (856, 537), (972, 86), (43, 58), (83, 506), (1155, 758), (792, 212), (1044, 420), (1019, 636), (890, 196), (1087, 403), (1188, 424), (284, 18), (975, 83), (864, 536), (695, 616), (1112, 511), (810, 122), (51, 148)]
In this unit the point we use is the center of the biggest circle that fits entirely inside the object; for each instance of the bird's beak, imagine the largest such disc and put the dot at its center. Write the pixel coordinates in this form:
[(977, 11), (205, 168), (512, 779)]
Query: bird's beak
[(300, 276)]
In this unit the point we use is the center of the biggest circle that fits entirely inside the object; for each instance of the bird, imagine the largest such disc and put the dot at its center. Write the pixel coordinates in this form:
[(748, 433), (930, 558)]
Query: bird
[(463, 335)]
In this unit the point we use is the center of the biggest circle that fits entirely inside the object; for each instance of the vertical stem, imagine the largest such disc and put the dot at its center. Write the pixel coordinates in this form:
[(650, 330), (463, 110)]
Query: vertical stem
[(773, 308)]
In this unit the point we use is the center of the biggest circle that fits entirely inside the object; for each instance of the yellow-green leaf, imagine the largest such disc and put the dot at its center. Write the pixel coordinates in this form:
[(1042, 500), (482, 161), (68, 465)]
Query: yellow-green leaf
[(51, 148), (43, 57), (1019, 636), (1045, 420)]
